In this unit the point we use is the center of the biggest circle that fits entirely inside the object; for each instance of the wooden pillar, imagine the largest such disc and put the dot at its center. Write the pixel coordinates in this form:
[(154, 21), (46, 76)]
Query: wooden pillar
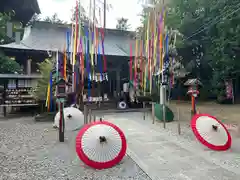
[(4, 98), (29, 66), (118, 88)]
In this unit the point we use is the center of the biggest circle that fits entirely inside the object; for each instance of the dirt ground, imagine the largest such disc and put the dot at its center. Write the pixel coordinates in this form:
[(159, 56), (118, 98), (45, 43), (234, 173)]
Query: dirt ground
[(229, 114)]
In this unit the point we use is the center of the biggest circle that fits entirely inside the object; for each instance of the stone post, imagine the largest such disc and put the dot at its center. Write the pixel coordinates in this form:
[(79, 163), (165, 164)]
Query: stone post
[(29, 66)]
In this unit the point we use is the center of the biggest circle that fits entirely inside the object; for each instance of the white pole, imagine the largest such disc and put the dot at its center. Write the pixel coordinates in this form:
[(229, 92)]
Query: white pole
[(71, 56), (57, 69)]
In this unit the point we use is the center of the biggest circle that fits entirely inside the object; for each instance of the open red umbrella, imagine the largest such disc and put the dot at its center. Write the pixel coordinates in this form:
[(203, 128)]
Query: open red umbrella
[(101, 145), (211, 132)]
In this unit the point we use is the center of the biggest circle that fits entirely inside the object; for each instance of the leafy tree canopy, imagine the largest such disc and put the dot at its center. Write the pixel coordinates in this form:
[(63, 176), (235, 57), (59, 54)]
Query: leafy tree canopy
[(7, 65), (122, 24), (53, 19), (210, 36), (45, 69)]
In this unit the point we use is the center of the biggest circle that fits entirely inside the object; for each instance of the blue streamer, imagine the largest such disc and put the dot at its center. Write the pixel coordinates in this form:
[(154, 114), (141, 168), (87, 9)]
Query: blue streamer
[(88, 62), (167, 44), (50, 97), (68, 35)]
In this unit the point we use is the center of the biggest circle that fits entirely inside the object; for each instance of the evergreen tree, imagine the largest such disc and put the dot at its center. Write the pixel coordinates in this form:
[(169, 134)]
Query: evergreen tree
[(122, 24), (7, 65)]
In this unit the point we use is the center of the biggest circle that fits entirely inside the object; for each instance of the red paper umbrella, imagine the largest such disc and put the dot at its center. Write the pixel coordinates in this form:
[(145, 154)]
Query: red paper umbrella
[(211, 132), (101, 145)]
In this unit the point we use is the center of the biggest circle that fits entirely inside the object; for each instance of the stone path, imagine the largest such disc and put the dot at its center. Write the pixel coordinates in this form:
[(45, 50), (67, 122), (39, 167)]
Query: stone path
[(164, 155), (31, 151)]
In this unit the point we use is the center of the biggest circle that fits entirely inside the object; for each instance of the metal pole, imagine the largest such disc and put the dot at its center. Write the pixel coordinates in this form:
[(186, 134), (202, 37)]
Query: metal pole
[(164, 107), (104, 13), (89, 116), (178, 121), (164, 116), (61, 123), (144, 113), (85, 113), (153, 113)]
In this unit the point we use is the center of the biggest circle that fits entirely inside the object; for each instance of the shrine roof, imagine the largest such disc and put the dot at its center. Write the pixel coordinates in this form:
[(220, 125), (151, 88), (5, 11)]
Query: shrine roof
[(44, 36)]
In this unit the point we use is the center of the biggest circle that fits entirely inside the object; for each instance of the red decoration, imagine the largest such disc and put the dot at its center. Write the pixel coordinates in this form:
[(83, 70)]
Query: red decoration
[(130, 66)]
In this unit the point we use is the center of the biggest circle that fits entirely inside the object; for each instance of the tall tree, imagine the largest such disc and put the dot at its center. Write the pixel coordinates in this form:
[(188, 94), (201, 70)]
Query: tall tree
[(209, 45), (45, 69), (35, 18), (53, 19), (7, 65), (83, 15), (122, 24)]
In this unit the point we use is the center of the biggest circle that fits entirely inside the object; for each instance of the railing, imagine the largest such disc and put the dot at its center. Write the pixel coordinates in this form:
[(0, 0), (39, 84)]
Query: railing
[(90, 114)]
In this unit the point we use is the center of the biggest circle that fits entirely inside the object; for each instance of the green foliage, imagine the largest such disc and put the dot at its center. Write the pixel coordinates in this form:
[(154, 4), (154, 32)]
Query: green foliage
[(218, 36), (45, 69), (210, 38), (17, 27), (7, 65), (122, 24), (53, 19), (3, 21)]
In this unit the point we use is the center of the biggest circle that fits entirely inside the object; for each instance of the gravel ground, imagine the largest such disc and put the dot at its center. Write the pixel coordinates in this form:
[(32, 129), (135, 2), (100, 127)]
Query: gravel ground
[(31, 151)]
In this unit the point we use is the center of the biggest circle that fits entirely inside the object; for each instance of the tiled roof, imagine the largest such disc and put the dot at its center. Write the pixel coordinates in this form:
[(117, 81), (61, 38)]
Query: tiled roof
[(52, 38)]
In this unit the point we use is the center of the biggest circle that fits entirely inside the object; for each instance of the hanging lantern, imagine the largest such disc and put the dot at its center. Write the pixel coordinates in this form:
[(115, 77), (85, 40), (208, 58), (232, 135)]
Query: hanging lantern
[(73, 118), (211, 132), (101, 145)]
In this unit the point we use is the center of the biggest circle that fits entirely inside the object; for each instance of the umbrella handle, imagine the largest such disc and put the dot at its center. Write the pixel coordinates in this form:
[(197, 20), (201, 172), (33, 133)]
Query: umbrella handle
[(102, 139), (214, 127)]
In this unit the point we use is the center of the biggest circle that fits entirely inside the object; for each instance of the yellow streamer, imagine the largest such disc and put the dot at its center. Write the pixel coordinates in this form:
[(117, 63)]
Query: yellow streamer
[(147, 52), (74, 45), (48, 96)]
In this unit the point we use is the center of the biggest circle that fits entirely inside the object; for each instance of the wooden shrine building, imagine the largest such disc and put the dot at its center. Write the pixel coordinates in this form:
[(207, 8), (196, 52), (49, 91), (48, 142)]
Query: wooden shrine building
[(43, 38), (15, 88)]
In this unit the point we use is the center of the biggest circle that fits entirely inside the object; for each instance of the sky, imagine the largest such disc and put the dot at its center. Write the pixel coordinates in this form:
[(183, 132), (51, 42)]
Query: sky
[(129, 9)]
